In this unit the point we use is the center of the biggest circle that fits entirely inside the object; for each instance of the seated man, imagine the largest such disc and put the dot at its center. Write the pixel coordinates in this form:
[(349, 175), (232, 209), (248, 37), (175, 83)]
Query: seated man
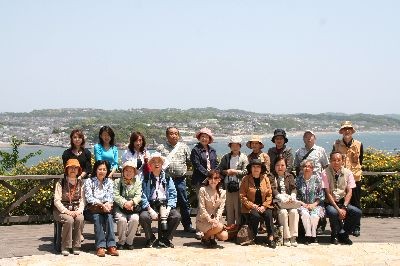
[(158, 203), (338, 183)]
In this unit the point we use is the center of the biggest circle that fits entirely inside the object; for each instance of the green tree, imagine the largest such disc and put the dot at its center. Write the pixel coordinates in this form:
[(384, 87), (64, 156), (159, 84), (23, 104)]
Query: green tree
[(10, 160)]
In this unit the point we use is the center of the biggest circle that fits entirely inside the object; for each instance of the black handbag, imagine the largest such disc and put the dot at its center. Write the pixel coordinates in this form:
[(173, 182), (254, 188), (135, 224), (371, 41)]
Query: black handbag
[(232, 186)]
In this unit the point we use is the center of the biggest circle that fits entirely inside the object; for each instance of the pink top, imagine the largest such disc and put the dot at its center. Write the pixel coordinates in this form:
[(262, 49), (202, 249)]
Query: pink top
[(325, 183)]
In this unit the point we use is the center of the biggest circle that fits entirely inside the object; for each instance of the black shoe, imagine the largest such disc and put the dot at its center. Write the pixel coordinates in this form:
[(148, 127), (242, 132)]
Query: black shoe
[(314, 240), (319, 231), (334, 240), (165, 243), (120, 247), (150, 242), (307, 240), (356, 232), (271, 243), (190, 230), (213, 242), (206, 242), (344, 239), (129, 247)]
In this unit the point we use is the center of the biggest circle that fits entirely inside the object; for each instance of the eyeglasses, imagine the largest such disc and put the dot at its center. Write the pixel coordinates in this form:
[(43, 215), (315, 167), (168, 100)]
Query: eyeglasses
[(307, 166)]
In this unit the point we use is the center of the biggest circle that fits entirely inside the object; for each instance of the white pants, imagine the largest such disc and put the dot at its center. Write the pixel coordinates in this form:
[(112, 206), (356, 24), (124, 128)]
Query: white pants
[(289, 219), (310, 223), (126, 230)]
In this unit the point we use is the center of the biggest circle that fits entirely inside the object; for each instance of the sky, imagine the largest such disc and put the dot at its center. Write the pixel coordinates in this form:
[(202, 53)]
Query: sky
[(264, 56)]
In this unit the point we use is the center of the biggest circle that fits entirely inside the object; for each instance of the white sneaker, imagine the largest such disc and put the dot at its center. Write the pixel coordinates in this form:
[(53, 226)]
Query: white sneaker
[(65, 252), (286, 242), (199, 235), (293, 241)]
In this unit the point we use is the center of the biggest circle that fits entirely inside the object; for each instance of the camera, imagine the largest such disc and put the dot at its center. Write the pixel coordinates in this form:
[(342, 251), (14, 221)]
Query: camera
[(163, 213)]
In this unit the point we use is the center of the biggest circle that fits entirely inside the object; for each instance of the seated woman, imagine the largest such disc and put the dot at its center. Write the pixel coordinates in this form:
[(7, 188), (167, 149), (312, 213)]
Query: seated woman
[(311, 193), (127, 197), (69, 201), (211, 205), (256, 197), (100, 196), (285, 196)]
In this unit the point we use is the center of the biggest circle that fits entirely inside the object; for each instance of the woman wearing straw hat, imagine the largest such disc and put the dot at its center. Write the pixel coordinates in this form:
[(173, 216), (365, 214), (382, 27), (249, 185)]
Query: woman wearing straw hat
[(69, 201), (127, 197), (256, 144), (233, 168)]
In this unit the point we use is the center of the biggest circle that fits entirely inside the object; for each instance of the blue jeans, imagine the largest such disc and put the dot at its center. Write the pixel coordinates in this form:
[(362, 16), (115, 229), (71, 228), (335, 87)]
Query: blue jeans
[(104, 230), (182, 201), (346, 226)]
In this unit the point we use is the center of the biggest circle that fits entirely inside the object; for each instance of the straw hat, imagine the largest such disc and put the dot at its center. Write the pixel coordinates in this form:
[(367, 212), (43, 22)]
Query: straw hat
[(346, 124), (255, 138), (75, 163)]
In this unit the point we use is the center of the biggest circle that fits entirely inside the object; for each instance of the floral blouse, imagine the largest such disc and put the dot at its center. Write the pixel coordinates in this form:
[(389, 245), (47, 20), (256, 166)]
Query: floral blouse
[(309, 192)]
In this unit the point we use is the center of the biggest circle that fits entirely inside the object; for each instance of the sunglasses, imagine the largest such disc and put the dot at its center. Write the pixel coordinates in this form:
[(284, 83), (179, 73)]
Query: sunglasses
[(214, 178)]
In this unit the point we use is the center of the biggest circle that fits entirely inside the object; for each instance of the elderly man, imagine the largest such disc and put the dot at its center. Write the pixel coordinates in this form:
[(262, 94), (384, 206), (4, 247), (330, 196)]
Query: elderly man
[(178, 155), (158, 203), (312, 152), (353, 153), (338, 183)]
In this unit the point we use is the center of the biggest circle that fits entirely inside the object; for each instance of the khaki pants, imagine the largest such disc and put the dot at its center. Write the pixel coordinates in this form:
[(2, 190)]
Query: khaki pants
[(71, 230), (232, 204), (289, 219), (126, 227)]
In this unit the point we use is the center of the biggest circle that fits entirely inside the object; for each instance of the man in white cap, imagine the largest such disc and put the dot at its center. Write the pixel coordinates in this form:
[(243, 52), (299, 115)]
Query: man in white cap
[(353, 153), (233, 167), (158, 203)]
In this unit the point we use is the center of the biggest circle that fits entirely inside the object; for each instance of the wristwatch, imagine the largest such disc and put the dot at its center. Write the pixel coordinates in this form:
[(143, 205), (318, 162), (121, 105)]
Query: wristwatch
[(345, 207)]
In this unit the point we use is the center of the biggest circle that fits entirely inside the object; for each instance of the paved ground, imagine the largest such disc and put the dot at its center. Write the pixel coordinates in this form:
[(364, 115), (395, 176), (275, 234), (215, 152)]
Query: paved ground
[(379, 244)]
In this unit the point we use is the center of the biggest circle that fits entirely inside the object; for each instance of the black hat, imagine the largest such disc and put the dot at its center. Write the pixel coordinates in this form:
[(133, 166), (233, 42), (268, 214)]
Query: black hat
[(279, 132), (256, 162)]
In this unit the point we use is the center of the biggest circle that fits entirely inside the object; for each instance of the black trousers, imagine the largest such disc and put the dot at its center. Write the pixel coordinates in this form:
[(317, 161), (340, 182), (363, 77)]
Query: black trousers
[(356, 198), (253, 220)]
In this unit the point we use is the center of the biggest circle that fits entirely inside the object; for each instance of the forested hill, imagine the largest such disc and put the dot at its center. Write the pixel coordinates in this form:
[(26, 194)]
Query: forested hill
[(36, 126)]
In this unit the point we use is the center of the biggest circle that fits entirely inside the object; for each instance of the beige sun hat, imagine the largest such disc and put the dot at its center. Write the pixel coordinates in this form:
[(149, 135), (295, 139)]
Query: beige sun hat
[(156, 155), (346, 124), (255, 138), (235, 139)]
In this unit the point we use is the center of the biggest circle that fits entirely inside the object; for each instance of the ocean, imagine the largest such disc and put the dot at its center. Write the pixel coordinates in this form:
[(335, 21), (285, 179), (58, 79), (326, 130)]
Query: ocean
[(385, 141)]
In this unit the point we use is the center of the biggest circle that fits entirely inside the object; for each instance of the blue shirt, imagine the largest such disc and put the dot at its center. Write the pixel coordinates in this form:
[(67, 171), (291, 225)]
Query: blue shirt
[(110, 155), (94, 194)]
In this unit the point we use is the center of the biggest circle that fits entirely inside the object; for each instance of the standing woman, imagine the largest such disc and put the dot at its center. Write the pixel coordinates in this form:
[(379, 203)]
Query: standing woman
[(99, 193), (106, 149), (211, 206), (285, 194), (79, 152), (256, 198), (281, 150), (311, 193), (69, 201), (137, 152), (203, 158), (127, 197), (233, 168)]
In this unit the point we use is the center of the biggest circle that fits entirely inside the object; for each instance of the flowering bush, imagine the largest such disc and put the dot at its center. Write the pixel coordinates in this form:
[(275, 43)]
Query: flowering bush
[(378, 190)]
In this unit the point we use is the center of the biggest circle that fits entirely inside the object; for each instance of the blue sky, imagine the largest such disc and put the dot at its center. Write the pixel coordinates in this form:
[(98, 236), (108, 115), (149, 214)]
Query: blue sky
[(262, 56)]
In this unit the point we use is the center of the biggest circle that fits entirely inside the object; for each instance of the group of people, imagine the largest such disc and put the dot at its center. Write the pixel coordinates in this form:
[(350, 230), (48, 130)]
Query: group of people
[(255, 189)]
